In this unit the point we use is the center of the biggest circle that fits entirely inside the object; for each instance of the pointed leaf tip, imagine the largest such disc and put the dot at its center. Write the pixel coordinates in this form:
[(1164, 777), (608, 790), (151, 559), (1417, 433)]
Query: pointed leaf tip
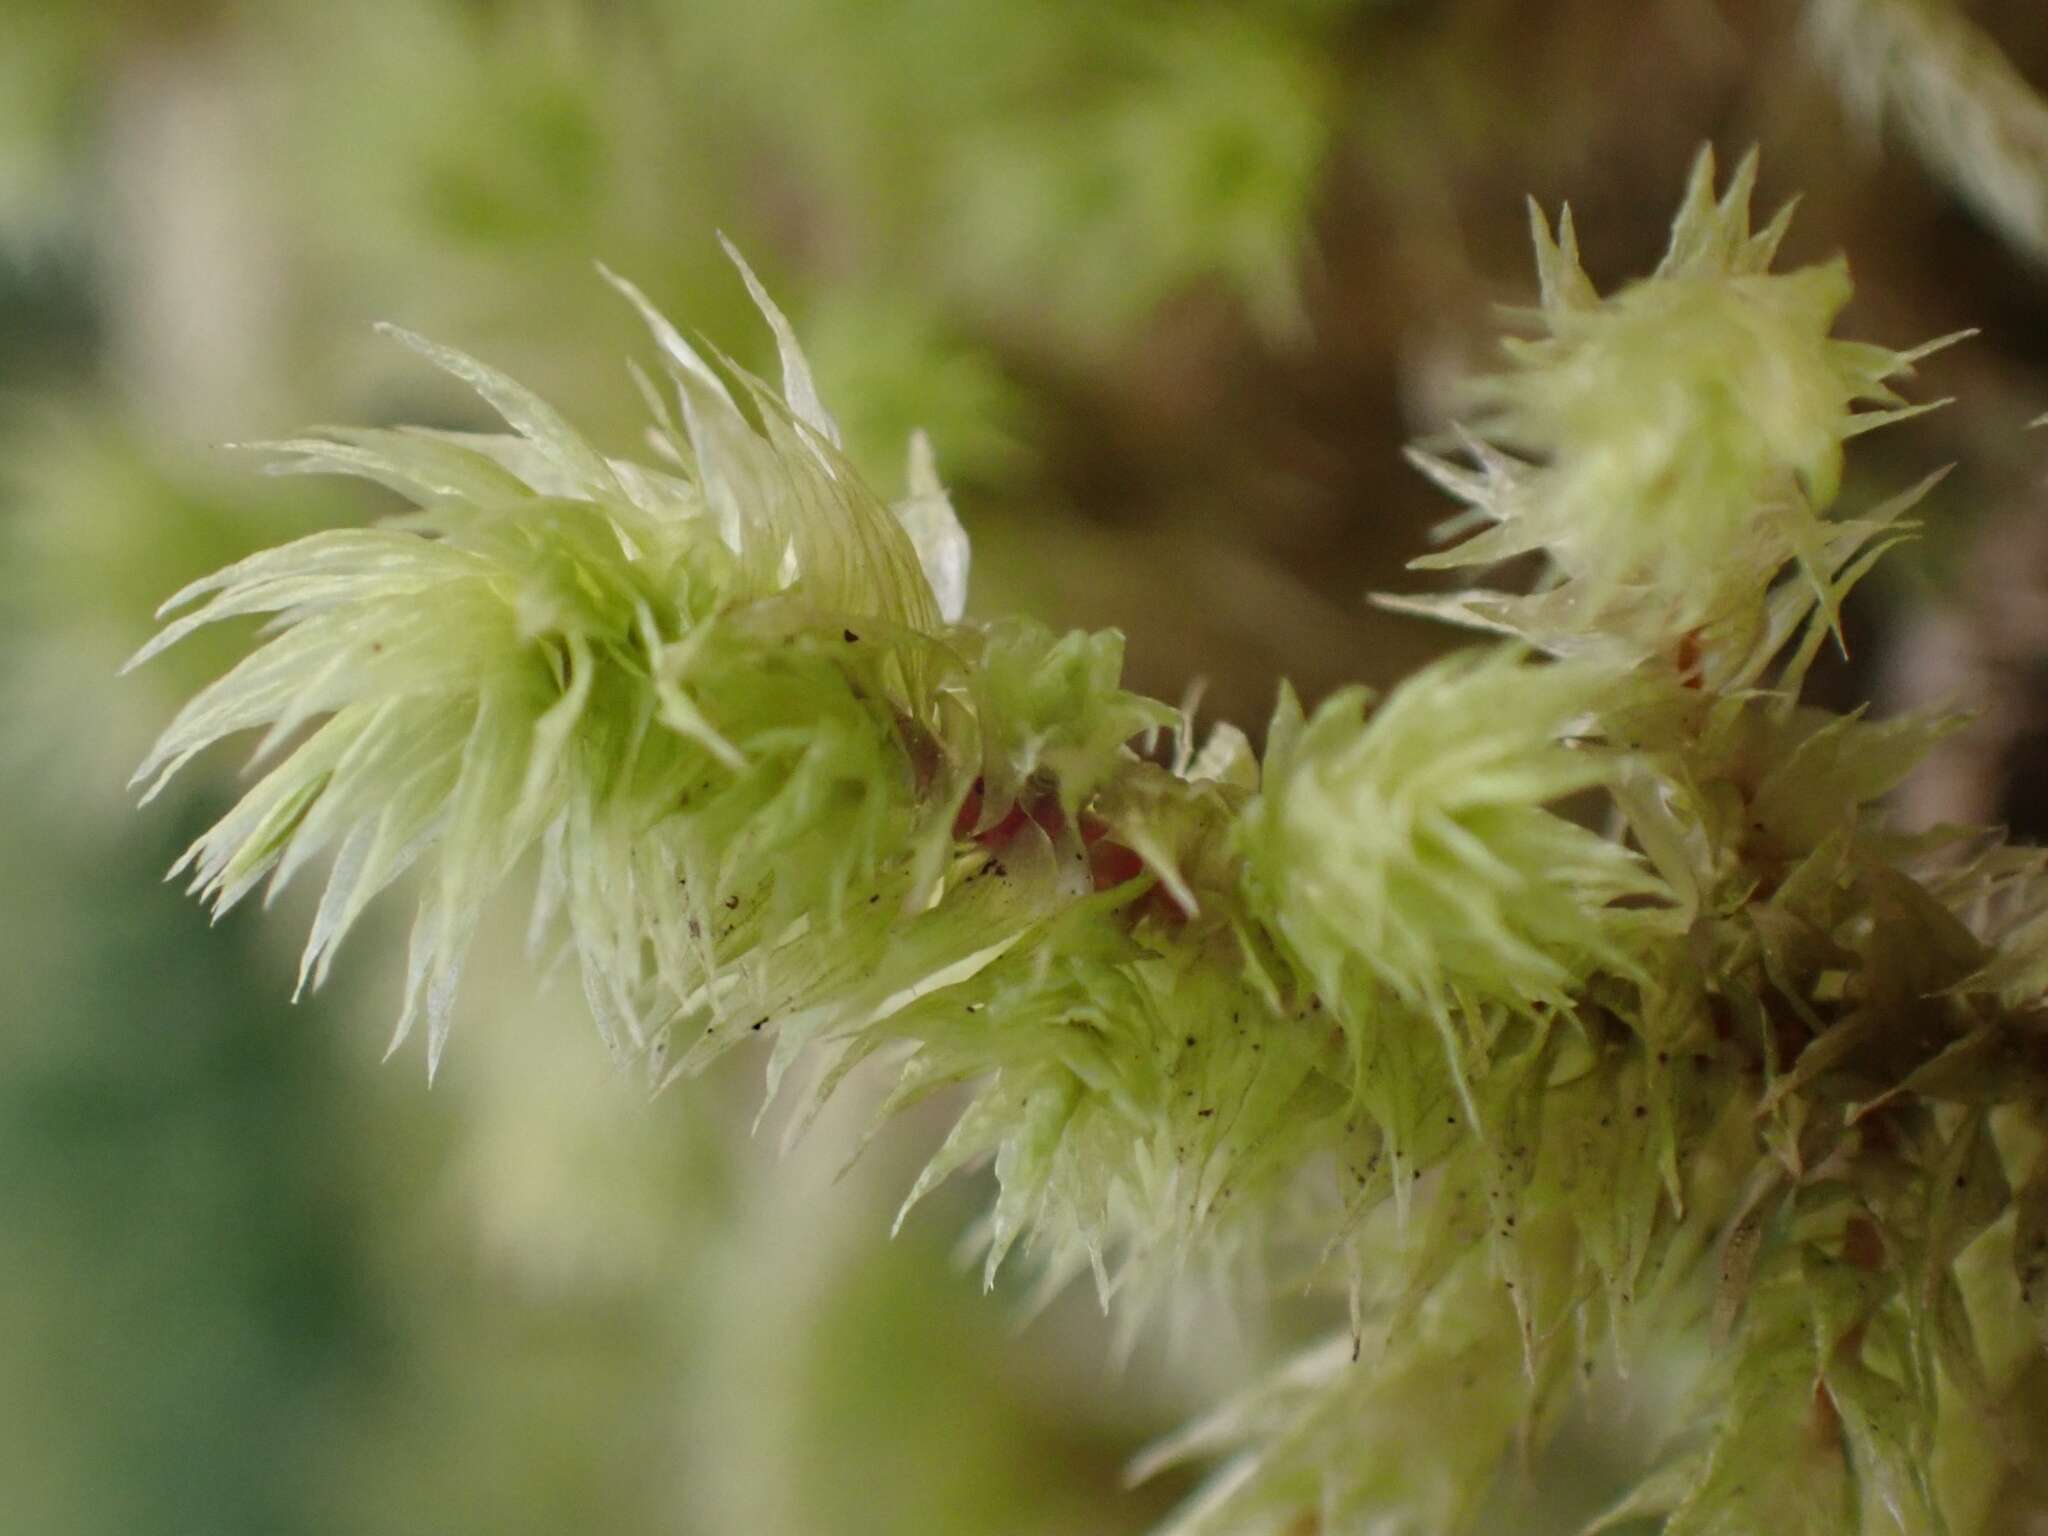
[(799, 389)]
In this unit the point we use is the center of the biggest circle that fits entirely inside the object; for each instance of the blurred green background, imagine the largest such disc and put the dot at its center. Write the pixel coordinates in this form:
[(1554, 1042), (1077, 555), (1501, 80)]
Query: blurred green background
[(1168, 283)]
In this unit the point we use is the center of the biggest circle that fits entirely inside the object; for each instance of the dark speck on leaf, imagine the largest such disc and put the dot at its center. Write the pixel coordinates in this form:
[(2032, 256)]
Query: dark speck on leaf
[(850, 636)]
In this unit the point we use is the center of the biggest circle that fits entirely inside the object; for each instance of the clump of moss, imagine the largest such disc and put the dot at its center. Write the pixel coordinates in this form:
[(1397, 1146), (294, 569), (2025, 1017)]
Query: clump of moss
[(1744, 1065)]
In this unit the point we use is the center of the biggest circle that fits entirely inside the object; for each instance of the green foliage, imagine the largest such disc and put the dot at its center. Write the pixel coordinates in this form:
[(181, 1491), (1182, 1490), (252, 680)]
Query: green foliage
[(1746, 1066), (654, 679), (1410, 843), (1671, 448), (77, 585)]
